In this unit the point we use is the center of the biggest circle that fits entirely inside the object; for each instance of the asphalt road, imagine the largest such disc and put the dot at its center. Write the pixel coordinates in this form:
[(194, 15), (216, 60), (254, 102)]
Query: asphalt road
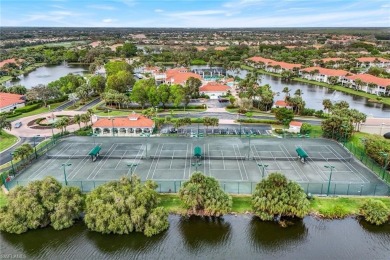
[(5, 156), (89, 105)]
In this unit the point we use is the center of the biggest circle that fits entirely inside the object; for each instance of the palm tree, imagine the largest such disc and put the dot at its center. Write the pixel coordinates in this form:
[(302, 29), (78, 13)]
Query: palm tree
[(85, 119), (77, 119), (372, 86), (4, 124), (298, 92), (327, 103), (23, 151), (286, 91), (358, 83), (90, 114)]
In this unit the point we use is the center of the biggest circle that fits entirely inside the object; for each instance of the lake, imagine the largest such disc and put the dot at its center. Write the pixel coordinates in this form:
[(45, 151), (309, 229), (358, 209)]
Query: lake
[(231, 237), (46, 74), (312, 94)]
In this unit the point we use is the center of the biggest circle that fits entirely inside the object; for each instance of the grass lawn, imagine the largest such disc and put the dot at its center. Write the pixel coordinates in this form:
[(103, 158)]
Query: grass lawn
[(326, 207), (5, 78), (6, 140), (40, 110), (3, 199)]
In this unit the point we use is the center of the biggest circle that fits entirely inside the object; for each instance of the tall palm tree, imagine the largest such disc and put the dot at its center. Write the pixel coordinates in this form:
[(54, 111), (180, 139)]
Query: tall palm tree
[(90, 114), (358, 83), (327, 103), (85, 119), (286, 91), (298, 92), (77, 119)]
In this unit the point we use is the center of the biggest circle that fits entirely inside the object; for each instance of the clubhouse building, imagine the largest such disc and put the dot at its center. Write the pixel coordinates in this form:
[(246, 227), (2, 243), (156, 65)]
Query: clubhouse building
[(132, 125)]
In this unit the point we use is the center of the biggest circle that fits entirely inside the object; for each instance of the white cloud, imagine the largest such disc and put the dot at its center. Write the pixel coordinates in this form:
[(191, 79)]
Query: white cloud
[(102, 7), (196, 13), (158, 10), (109, 20)]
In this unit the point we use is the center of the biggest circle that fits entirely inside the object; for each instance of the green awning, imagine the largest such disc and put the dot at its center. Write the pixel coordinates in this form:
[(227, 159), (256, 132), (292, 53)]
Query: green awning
[(197, 151), (301, 153), (95, 151)]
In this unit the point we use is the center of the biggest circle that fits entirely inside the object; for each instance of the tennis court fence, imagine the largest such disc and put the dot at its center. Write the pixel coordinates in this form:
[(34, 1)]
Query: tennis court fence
[(247, 188)]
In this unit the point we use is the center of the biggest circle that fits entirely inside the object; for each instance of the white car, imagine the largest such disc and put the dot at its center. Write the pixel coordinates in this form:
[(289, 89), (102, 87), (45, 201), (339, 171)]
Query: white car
[(18, 124)]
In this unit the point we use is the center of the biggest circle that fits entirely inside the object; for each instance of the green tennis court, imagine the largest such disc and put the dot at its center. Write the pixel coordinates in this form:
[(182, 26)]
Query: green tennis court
[(171, 160)]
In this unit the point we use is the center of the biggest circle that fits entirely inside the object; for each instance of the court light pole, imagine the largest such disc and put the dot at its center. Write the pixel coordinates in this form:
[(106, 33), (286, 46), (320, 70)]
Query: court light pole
[(196, 164), (147, 135), (263, 166), (132, 167), (386, 158), (331, 167), (35, 147), (12, 164), (112, 122), (93, 135), (64, 165), (249, 147)]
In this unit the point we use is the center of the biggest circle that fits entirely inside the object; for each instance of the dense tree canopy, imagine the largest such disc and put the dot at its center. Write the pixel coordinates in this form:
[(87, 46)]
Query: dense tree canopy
[(68, 84), (125, 206), (276, 197), (113, 67), (39, 204), (203, 195)]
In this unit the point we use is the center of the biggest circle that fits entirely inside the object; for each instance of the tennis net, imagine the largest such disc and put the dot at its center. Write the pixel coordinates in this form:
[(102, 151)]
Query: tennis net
[(322, 159), (110, 156)]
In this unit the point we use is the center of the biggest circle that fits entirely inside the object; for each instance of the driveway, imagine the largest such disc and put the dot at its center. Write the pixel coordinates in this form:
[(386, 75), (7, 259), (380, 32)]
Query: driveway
[(25, 131)]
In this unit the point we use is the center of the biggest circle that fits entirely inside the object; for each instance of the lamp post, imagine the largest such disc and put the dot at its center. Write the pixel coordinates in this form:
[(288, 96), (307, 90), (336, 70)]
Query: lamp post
[(52, 131), (249, 144), (64, 167), (93, 135), (331, 167), (196, 164), (263, 166), (132, 167), (386, 158), (112, 122), (147, 135), (12, 164), (35, 148), (344, 127)]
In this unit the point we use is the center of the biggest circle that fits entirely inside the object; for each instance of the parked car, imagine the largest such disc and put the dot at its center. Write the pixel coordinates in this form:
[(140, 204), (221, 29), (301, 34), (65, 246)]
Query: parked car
[(173, 131), (18, 124)]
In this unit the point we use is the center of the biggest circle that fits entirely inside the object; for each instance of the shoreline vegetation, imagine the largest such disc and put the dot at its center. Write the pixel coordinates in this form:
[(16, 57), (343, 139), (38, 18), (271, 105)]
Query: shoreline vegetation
[(25, 71), (372, 98), (320, 207)]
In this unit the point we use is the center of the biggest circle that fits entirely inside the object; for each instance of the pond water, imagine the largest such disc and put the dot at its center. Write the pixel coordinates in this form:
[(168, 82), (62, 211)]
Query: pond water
[(47, 74), (241, 237), (314, 95)]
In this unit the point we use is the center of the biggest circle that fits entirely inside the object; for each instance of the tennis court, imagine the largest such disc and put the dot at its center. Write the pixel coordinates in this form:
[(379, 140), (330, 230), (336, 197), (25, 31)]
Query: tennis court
[(229, 159)]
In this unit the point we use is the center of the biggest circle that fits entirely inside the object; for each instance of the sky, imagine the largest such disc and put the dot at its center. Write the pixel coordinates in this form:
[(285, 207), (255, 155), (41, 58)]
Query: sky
[(195, 13)]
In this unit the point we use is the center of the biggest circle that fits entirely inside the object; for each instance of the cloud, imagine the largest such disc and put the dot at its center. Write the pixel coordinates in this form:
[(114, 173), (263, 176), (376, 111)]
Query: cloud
[(109, 20), (158, 10), (102, 7), (187, 14), (242, 3)]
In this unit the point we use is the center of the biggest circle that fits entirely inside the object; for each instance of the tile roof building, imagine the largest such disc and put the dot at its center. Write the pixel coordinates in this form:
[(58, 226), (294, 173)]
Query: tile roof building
[(371, 84), (9, 102), (214, 89), (131, 125)]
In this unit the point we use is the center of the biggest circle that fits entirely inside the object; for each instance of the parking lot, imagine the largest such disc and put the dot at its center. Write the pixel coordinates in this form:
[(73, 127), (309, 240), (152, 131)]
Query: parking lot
[(233, 130)]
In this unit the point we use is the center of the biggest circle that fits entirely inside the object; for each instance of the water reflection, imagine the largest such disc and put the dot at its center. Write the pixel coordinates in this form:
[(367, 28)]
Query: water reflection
[(38, 242), (270, 236), (200, 232), (134, 242)]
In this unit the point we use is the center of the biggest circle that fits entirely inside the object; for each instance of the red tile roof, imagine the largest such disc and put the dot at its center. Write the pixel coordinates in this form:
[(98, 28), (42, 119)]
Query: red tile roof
[(367, 78), (2, 63), (283, 65), (132, 121), (260, 59), (332, 59), (281, 103), (7, 99), (180, 75), (295, 123), (371, 59), (328, 72), (214, 87)]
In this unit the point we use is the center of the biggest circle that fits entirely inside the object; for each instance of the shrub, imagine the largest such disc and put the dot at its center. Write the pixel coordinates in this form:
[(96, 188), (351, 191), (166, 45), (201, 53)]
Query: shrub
[(276, 196), (203, 195), (28, 108), (375, 212), (308, 112), (39, 204)]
